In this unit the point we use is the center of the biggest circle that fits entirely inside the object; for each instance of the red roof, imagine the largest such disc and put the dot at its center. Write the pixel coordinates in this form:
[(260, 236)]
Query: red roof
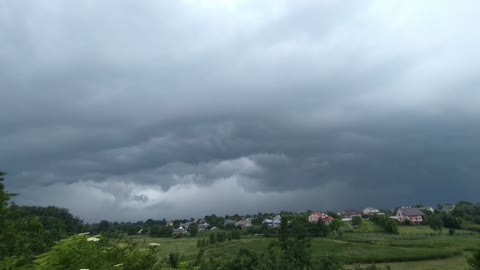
[(328, 219)]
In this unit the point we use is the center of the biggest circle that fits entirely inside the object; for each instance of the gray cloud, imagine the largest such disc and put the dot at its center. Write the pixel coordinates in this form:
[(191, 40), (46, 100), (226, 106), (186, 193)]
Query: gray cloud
[(132, 110)]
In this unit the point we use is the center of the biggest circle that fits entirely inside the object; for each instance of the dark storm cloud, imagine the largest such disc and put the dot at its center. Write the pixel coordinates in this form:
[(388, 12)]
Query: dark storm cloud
[(132, 110)]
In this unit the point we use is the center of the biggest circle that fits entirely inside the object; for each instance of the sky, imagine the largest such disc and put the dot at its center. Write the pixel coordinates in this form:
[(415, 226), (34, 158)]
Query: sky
[(129, 110)]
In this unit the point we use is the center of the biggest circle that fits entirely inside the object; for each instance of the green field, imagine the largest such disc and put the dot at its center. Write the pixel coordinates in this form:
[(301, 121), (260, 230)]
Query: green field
[(416, 247)]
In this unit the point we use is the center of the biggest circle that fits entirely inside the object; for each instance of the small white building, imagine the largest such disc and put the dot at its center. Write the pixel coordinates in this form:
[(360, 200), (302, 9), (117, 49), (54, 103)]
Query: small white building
[(370, 211)]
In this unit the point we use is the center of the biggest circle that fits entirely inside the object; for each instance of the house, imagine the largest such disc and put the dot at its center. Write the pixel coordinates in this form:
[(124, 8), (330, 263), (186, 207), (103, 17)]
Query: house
[(349, 214), (447, 208), (169, 223), (328, 219), (370, 211), (273, 222), (414, 215), (316, 216), (203, 226), (186, 224), (229, 222), (427, 208), (244, 223), (179, 231)]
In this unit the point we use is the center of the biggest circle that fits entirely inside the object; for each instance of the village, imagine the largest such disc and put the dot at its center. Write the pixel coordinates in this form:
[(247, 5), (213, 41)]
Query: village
[(414, 215)]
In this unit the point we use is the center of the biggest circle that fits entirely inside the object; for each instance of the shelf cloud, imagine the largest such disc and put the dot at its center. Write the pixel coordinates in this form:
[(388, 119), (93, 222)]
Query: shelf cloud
[(133, 110)]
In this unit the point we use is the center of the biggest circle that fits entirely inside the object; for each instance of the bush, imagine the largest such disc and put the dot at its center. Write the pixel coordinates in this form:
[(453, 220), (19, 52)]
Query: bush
[(84, 252)]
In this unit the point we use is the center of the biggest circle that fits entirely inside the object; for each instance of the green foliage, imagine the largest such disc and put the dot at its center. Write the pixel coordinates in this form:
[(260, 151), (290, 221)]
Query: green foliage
[(193, 229), (330, 262), (435, 223), (357, 221), (334, 215), (161, 231), (213, 239), (474, 262), (174, 259), (236, 234), (84, 252), (321, 229), (220, 237), (23, 235), (295, 243), (388, 224), (372, 267), (335, 225)]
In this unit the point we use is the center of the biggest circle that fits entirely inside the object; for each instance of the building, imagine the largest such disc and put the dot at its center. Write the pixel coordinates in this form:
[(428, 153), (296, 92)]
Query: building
[(370, 211), (203, 226), (447, 208), (349, 214), (179, 231), (316, 216), (414, 215), (244, 223), (273, 222)]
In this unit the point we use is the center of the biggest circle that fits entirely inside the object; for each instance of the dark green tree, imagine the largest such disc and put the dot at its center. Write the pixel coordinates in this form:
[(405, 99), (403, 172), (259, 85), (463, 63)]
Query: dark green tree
[(212, 239), (357, 221), (435, 222), (220, 237), (193, 229), (295, 243), (335, 224)]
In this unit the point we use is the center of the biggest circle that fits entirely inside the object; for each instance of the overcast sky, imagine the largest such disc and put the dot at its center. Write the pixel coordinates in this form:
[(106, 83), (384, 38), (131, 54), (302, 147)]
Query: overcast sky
[(128, 110)]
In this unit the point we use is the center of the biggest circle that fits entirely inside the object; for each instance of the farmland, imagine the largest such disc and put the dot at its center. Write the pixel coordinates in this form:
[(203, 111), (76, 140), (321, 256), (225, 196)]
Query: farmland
[(416, 247)]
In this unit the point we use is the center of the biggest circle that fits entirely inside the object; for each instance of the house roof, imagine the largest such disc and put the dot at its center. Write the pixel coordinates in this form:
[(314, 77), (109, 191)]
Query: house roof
[(411, 212), (328, 219), (320, 214), (448, 207), (352, 212)]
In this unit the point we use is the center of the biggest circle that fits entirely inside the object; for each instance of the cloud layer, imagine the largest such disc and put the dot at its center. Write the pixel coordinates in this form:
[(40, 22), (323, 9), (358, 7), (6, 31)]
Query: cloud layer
[(172, 109)]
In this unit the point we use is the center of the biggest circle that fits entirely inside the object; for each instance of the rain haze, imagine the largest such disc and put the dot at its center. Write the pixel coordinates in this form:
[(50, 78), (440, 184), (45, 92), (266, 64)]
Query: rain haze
[(128, 110)]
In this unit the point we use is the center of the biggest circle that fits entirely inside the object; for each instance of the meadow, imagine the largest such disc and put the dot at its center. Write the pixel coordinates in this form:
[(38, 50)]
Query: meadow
[(416, 247)]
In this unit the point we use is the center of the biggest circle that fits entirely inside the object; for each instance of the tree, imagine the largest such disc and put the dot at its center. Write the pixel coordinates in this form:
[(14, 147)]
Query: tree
[(335, 225), (295, 243), (77, 252), (357, 221), (322, 229), (236, 234), (193, 229), (103, 226), (212, 239), (435, 222), (220, 237), (4, 198)]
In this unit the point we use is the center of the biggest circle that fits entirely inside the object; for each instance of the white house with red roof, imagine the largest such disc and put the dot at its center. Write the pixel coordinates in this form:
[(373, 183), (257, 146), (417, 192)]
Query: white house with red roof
[(316, 216)]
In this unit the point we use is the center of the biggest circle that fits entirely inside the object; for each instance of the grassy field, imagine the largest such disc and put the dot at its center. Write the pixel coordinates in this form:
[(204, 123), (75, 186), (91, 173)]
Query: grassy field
[(457, 262), (416, 247)]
